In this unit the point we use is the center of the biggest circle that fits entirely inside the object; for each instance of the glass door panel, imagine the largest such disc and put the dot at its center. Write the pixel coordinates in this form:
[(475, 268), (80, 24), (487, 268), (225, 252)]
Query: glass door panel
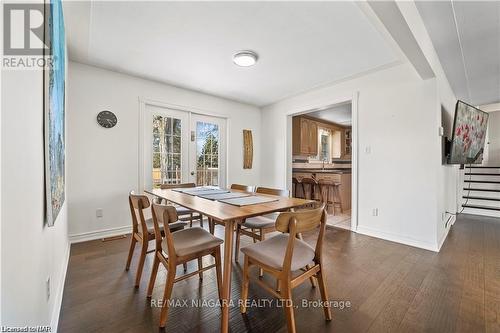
[(207, 155), (166, 146)]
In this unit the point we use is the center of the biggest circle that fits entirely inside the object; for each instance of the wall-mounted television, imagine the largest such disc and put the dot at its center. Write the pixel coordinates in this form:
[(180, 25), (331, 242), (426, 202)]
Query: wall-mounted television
[(469, 135)]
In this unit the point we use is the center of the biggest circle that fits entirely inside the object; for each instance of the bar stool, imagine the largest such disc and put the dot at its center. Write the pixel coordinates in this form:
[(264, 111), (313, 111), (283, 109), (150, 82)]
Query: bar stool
[(310, 191), (296, 184), (334, 200)]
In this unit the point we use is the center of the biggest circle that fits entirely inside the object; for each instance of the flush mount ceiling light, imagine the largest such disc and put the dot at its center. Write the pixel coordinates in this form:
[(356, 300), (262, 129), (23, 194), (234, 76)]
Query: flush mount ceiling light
[(245, 58)]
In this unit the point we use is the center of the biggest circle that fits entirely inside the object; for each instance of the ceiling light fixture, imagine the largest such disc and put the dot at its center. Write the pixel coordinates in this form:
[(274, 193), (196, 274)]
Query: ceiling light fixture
[(245, 58)]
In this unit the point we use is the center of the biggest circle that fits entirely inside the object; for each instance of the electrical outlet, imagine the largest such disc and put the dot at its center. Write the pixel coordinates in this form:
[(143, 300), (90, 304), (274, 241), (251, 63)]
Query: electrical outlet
[(47, 287), (375, 212), (368, 149), (98, 212)]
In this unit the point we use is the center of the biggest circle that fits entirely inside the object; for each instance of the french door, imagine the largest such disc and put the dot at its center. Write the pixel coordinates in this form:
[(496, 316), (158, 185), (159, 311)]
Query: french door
[(207, 153), (182, 147)]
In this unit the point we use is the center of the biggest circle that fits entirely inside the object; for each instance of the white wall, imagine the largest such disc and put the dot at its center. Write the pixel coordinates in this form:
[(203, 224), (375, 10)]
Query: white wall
[(397, 118), (103, 164), (493, 139), (31, 251), (449, 178)]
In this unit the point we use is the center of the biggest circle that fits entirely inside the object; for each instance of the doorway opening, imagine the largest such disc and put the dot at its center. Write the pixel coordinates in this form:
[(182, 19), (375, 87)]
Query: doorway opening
[(323, 160)]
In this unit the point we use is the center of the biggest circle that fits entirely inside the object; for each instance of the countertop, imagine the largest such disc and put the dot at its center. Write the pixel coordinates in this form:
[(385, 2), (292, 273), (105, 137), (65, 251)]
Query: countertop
[(326, 170)]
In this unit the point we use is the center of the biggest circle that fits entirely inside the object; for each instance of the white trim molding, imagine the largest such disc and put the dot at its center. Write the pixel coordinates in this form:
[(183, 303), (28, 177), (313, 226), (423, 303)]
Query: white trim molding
[(56, 311), (98, 234), (396, 238)]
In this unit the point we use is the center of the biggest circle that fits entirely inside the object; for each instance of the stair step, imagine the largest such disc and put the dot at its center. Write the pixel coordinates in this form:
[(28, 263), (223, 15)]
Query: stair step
[(482, 207), (480, 198), (480, 189), (481, 174), (482, 181)]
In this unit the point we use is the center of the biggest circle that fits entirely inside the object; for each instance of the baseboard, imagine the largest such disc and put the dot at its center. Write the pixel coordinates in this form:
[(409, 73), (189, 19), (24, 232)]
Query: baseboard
[(54, 322), (447, 231), (396, 238), (98, 234)]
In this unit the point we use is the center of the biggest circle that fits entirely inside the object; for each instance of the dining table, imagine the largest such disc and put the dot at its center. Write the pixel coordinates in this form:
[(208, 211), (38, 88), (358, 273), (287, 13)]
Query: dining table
[(227, 214)]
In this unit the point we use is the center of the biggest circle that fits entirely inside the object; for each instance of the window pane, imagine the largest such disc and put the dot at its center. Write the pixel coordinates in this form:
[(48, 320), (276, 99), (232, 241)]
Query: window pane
[(215, 161), (156, 160), (168, 126), (176, 161), (177, 144), (168, 146), (177, 127)]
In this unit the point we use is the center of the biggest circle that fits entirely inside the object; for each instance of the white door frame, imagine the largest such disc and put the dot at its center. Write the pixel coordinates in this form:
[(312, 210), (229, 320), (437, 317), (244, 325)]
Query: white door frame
[(353, 99), (143, 102)]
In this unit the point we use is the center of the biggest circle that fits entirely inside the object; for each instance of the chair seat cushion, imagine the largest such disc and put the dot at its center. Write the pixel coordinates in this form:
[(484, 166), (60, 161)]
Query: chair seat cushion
[(183, 210), (259, 222), (192, 240), (173, 226), (272, 252)]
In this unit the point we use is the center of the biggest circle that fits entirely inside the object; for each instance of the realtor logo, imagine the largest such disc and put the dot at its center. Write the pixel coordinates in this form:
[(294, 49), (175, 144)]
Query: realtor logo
[(24, 30)]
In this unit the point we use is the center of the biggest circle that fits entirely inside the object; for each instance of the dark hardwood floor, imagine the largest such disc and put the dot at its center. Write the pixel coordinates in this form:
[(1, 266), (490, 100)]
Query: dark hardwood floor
[(390, 287)]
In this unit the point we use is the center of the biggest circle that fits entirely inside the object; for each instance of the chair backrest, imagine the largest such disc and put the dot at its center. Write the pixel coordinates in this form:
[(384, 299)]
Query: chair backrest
[(162, 216), (328, 182), (307, 180), (138, 203), (169, 186), (273, 191), (308, 185), (246, 188), (183, 185), (295, 223)]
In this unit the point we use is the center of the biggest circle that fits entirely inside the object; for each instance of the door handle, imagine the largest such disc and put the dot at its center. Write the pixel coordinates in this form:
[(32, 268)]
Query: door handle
[(192, 173)]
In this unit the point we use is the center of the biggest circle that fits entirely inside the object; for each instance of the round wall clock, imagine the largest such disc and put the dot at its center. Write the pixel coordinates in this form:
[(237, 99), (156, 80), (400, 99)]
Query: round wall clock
[(107, 119)]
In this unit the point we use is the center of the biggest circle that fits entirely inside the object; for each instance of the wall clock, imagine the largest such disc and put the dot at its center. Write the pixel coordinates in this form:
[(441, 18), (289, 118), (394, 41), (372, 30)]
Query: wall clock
[(107, 119)]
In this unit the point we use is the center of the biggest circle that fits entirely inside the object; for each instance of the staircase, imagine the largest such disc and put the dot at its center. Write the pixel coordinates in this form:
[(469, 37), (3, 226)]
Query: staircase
[(481, 191)]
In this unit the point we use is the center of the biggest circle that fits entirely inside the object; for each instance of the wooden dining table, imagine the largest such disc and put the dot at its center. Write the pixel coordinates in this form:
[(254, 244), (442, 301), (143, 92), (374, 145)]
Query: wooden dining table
[(228, 215)]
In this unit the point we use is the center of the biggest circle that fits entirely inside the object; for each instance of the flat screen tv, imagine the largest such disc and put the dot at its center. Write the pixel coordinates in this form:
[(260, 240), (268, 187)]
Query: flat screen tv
[(469, 135)]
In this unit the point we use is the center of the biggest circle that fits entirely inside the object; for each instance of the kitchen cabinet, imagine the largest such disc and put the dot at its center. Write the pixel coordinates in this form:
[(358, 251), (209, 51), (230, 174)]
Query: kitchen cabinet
[(305, 136)]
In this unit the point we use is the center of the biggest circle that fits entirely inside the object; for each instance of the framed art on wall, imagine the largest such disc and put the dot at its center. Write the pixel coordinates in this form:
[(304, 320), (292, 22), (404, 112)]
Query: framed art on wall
[(54, 110)]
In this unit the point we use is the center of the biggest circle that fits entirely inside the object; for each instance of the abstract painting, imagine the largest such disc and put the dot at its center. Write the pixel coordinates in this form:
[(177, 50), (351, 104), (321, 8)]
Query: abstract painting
[(469, 134), (54, 110)]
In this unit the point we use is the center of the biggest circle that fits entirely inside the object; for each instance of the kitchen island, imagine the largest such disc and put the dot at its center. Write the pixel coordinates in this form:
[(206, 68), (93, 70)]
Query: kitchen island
[(338, 175)]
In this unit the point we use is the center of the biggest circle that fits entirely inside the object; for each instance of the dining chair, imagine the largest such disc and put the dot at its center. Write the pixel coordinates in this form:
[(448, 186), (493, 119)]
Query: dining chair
[(142, 231), (239, 187), (183, 211), (179, 247), (257, 227), (283, 254)]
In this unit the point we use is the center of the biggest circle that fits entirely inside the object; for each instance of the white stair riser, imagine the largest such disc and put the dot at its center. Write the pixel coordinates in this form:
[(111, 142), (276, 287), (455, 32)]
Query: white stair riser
[(495, 204), (483, 212), (490, 186), (482, 170), (483, 177), (482, 194)]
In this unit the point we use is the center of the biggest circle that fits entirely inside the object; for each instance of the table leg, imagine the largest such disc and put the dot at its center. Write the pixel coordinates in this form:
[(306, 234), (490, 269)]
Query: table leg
[(226, 277)]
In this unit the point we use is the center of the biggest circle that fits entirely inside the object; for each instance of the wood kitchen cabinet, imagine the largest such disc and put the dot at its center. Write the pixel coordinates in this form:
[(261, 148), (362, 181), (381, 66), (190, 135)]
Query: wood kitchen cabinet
[(305, 136)]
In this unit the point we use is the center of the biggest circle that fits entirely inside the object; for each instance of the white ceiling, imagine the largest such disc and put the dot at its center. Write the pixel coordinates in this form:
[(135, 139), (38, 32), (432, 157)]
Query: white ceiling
[(302, 45), (474, 74), (339, 114)]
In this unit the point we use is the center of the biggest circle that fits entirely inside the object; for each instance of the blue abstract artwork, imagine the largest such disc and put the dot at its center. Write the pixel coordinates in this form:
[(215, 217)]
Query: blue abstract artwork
[(54, 104)]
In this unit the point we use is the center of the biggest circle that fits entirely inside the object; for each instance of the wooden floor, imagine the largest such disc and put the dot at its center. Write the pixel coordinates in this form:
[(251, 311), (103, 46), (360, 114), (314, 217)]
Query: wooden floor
[(390, 287)]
